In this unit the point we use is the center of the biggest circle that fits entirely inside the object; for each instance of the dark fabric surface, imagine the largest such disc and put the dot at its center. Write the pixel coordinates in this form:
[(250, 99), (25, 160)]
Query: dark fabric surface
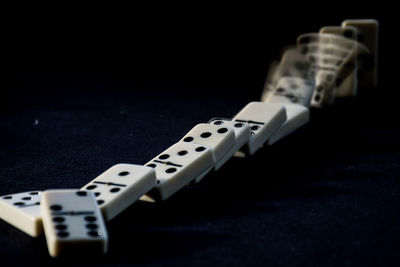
[(328, 195)]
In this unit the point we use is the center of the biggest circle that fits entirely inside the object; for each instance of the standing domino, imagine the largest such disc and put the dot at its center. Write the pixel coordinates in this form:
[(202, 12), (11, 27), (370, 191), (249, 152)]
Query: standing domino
[(72, 222), (264, 119), (367, 35), (120, 186), (220, 139), (178, 166), (22, 210)]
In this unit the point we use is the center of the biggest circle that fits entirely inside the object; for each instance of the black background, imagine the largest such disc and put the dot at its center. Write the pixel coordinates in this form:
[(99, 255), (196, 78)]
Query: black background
[(85, 88)]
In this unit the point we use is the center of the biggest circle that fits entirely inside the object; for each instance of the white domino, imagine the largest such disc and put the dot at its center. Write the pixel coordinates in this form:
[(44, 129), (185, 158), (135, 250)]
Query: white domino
[(242, 134), (291, 90), (220, 139), (264, 119), (176, 167), (120, 186), (22, 210), (297, 116), (72, 222)]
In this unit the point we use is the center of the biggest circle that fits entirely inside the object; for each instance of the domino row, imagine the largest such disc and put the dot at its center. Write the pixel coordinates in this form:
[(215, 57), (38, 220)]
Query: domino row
[(73, 219)]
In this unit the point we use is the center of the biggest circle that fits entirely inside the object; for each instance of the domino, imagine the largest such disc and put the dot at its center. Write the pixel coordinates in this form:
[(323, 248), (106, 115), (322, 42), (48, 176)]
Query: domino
[(297, 116), (242, 133), (368, 30), (22, 210), (220, 139), (176, 167), (120, 186), (324, 93), (347, 83), (291, 90), (72, 222), (264, 119)]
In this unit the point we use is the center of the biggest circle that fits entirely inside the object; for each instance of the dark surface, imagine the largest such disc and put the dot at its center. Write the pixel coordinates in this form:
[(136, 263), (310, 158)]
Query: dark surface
[(83, 95)]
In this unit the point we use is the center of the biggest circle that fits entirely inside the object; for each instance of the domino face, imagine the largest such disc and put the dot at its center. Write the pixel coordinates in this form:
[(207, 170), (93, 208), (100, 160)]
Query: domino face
[(177, 166), (292, 90), (219, 138), (324, 93), (368, 30), (120, 186), (264, 119), (22, 210), (297, 116), (242, 133), (72, 222)]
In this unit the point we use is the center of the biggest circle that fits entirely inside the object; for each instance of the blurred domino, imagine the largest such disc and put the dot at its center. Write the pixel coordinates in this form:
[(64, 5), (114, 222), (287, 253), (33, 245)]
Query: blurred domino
[(291, 90), (176, 167), (72, 222), (220, 139), (346, 85), (264, 119), (22, 210), (368, 30), (120, 186)]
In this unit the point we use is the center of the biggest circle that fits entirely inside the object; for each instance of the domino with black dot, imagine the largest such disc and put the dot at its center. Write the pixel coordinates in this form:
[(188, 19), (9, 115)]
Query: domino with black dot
[(219, 138), (22, 211), (264, 119), (72, 223), (120, 186), (178, 166)]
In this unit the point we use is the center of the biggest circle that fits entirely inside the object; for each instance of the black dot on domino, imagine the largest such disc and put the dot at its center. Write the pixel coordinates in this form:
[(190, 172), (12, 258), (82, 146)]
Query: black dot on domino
[(320, 88), (63, 234), (238, 125), (218, 122), (188, 139), (58, 219), (90, 218), (222, 130), (81, 193), (255, 127), (7, 197), (182, 152), (94, 233), (158, 181), (96, 194), (100, 201), (200, 149), (280, 90), (115, 190), (170, 170), (34, 193), (19, 203), (92, 226), (91, 187), (151, 165), (205, 135), (56, 207), (317, 97), (164, 156), (61, 227), (124, 173), (37, 203)]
